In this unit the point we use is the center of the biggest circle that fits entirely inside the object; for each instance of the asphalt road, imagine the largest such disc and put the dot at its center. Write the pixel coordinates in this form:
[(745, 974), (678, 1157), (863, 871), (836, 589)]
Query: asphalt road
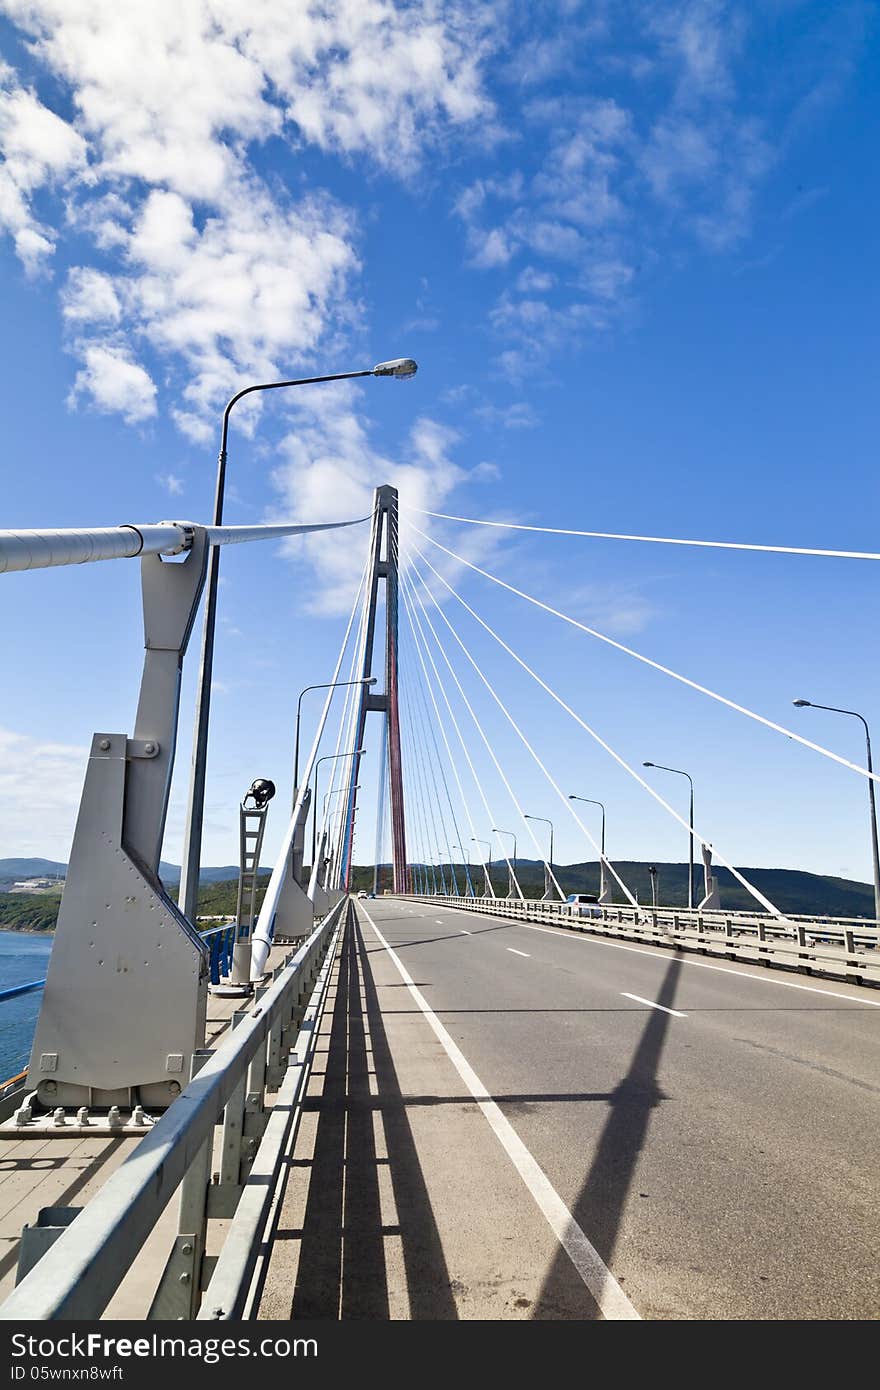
[(719, 1153)]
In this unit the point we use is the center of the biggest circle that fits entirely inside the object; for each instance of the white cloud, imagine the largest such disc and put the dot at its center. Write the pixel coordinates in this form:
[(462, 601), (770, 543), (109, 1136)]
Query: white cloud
[(37, 147), (209, 267), (519, 416), (90, 297), (115, 383), (171, 483), (40, 787)]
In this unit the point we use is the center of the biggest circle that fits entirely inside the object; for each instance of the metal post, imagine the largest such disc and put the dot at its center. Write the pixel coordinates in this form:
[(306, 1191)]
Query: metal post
[(189, 874), (124, 1004), (875, 847), (383, 566)]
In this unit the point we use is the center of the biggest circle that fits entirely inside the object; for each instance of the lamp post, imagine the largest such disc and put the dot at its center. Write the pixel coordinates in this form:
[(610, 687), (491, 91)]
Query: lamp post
[(512, 875), (328, 685), (875, 850), (192, 845), (603, 886), (328, 758), (486, 871), (548, 873), (467, 871), (653, 872), (678, 772)]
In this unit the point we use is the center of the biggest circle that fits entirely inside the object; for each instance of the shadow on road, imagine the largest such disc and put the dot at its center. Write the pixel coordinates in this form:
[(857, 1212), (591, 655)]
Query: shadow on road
[(599, 1208), (342, 1269)]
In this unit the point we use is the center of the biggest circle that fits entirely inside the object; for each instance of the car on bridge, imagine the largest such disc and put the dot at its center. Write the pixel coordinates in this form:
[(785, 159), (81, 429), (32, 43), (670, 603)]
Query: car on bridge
[(583, 905)]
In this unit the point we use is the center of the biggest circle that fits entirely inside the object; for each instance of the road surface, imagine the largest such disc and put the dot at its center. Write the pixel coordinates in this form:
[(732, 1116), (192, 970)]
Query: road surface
[(527, 1122)]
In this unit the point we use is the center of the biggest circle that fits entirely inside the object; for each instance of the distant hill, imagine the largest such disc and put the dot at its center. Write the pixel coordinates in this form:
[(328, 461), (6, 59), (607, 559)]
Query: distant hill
[(14, 869), (792, 890)]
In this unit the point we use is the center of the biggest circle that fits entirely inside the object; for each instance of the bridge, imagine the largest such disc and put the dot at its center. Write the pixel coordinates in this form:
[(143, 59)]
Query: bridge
[(437, 1095)]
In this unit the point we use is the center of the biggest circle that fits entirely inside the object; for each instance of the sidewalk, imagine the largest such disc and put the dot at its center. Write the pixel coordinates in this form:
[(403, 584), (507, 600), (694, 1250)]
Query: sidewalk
[(400, 1201)]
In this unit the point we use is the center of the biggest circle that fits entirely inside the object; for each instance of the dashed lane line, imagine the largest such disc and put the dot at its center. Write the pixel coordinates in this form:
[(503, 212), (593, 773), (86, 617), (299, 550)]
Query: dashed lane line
[(676, 1013)]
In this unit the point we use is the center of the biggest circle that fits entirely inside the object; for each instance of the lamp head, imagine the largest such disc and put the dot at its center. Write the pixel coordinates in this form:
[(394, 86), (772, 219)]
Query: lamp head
[(401, 367), (260, 792), (801, 704), (647, 764), (370, 680)]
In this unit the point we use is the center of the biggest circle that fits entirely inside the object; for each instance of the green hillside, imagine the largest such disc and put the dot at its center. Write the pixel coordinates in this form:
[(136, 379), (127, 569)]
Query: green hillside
[(792, 890)]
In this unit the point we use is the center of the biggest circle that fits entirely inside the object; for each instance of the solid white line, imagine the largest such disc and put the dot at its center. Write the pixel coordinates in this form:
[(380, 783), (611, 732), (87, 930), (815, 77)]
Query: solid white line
[(697, 964), (612, 1301), (676, 1013), (518, 953)]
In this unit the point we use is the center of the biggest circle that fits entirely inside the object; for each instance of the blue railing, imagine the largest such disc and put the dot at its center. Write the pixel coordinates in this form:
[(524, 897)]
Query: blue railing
[(21, 989), (221, 941)]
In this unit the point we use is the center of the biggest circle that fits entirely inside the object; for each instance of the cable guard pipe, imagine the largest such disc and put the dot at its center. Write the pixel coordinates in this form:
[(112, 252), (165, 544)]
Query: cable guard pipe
[(30, 550)]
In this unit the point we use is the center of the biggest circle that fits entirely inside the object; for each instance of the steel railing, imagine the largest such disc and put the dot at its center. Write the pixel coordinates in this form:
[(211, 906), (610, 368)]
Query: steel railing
[(841, 946), (79, 1274)]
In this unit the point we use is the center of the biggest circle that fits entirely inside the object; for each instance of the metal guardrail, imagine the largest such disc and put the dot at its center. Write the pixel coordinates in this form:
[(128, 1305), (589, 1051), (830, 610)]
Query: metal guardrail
[(15, 990), (796, 943), (78, 1276)]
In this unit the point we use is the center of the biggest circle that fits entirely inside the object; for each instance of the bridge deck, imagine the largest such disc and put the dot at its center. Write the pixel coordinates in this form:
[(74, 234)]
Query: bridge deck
[(40, 1172), (707, 1132)]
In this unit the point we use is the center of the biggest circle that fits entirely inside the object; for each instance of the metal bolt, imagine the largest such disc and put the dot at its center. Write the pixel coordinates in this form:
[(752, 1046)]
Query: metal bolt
[(186, 1249), (149, 747), (104, 745), (184, 1277), (58, 1117)]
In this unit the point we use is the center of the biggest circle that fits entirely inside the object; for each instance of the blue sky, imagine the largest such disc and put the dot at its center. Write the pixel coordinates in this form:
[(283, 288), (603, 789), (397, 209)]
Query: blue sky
[(632, 247)]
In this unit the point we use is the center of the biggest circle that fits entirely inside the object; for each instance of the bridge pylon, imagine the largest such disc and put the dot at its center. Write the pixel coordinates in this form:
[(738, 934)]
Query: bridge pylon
[(383, 570)]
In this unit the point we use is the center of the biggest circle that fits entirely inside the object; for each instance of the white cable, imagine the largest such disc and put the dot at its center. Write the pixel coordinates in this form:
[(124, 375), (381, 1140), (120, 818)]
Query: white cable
[(654, 540), (262, 937), (566, 801), (441, 725), (429, 802), (655, 665), (491, 751), (427, 685), (750, 887), (477, 782), (464, 748)]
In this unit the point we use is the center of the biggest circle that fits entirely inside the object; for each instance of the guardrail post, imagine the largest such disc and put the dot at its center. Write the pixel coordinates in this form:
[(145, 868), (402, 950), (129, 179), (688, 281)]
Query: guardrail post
[(224, 1193), (256, 1116), (180, 1288)]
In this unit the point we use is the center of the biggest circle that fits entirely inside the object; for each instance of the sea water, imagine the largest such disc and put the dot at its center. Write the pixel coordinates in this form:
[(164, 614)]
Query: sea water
[(23, 958)]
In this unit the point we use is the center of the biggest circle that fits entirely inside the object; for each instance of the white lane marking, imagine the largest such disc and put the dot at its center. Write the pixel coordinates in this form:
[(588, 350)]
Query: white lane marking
[(463, 933), (612, 1301), (514, 952), (586, 940), (676, 1013), (699, 964)]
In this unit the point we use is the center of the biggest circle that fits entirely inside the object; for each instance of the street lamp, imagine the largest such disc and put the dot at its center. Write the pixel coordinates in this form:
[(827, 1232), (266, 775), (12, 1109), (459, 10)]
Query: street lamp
[(192, 848), (328, 758), (486, 872), (496, 831), (678, 772), (875, 850), (467, 871), (548, 873), (328, 685), (336, 792), (591, 802)]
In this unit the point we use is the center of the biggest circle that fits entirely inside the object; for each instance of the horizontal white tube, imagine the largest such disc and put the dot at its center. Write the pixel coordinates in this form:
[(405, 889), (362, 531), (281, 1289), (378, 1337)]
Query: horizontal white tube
[(31, 550)]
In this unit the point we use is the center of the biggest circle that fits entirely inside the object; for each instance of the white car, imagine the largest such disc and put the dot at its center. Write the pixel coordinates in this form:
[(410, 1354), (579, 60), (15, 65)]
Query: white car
[(362, 894), (583, 905)]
